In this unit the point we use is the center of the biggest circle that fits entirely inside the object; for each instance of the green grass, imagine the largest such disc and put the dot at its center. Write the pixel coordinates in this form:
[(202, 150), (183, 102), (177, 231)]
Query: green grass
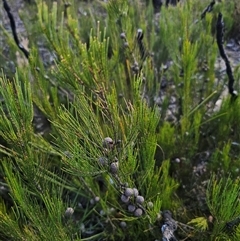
[(101, 85)]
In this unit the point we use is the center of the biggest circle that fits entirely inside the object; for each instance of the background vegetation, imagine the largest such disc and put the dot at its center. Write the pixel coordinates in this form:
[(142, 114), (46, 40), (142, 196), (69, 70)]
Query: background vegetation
[(118, 115)]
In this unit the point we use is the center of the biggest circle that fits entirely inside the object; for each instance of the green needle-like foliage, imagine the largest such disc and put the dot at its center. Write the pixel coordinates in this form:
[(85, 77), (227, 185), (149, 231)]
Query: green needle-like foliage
[(223, 203), (105, 158), (17, 113)]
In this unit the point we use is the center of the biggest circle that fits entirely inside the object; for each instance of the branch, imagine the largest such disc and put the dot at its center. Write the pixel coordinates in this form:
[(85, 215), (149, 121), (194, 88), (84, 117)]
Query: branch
[(13, 27), (219, 36)]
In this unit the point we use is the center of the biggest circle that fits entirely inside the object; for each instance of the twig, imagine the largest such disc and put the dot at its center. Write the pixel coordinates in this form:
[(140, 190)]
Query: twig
[(169, 226), (230, 227), (140, 44), (13, 27), (220, 34), (172, 2), (208, 9)]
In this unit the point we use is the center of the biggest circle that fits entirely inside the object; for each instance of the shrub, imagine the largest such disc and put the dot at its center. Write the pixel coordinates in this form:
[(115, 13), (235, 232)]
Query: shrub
[(94, 144)]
